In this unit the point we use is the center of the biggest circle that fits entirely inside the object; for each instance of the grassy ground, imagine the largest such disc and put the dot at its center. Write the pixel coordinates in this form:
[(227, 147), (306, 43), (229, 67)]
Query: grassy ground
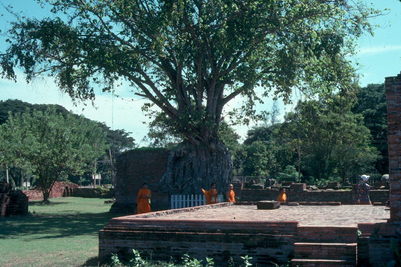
[(63, 233)]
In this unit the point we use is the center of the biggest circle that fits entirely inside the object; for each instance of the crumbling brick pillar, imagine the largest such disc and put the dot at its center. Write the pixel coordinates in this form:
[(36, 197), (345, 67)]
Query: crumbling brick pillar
[(393, 94)]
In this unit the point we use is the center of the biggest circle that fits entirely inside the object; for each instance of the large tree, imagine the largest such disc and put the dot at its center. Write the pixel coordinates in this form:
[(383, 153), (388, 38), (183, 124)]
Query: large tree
[(190, 58), (50, 145)]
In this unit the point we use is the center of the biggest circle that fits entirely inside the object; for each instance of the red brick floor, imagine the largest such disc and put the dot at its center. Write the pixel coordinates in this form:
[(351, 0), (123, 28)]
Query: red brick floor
[(344, 215)]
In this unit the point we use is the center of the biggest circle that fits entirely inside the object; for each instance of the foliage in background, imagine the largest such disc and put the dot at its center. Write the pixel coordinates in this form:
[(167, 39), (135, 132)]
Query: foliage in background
[(50, 145), (288, 174), (320, 140), (260, 159), (333, 141), (371, 104), (117, 140)]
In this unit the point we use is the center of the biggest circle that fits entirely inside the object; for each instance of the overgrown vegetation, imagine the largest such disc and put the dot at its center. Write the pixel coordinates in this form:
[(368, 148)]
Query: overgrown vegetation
[(186, 261)]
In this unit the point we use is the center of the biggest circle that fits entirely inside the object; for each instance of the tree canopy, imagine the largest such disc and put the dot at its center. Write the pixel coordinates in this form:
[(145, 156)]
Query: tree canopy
[(321, 140), (371, 104), (118, 140), (50, 145), (190, 57)]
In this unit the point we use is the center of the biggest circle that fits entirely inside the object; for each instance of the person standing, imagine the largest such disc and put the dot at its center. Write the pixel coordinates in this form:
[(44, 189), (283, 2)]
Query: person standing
[(230, 194), (210, 195), (363, 189), (282, 196), (143, 200)]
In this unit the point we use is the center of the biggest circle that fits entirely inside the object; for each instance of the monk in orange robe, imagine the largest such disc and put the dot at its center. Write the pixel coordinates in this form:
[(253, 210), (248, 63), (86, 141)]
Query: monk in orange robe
[(210, 195), (143, 200), (282, 196), (230, 194)]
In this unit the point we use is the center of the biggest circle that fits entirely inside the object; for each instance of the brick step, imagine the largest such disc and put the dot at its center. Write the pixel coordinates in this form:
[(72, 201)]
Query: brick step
[(320, 263), (329, 251), (329, 234)]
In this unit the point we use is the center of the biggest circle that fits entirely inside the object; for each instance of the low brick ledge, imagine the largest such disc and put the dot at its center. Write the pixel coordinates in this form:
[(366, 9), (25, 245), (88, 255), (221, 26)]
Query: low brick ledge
[(302, 203), (325, 244), (182, 210), (318, 261), (146, 224)]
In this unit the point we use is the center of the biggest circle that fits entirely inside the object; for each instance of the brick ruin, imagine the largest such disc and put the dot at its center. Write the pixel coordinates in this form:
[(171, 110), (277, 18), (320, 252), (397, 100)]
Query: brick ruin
[(386, 240), (382, 241), (12, 202), (134, 168), (59, 189), (393, 94)]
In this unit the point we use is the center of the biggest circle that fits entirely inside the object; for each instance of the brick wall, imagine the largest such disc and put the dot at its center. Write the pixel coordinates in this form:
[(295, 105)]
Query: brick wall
[(134, 168), (163, 239), (266, 242), (59, 189), (393, 94), (91, 193), (384, 236), (345, 197)]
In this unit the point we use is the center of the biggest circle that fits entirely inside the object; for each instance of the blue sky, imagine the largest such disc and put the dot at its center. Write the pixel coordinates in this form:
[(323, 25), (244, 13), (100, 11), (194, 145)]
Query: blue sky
[(378, 56)]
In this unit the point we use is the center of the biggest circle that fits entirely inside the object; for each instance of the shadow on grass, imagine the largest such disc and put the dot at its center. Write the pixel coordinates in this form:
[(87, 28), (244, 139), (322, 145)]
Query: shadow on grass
[(41, 203), (53, 225), (94, 261)]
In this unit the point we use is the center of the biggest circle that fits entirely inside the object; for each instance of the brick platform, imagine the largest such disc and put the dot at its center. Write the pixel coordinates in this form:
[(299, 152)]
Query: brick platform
[(346, 215), (224, 230)]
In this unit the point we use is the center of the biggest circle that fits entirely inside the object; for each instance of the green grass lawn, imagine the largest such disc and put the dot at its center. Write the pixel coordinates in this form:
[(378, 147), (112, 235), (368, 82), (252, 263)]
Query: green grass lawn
[(63, 233)]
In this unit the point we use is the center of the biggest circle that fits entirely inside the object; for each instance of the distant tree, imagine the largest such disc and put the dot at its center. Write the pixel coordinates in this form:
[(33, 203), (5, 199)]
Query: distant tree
[(333, 141), (18, 106), (190, 59), (161, 133), (274, 113), (51, 145), (371, 103), (118, 140), (261, 133), (260, 159), (280, 152), (288, 174)]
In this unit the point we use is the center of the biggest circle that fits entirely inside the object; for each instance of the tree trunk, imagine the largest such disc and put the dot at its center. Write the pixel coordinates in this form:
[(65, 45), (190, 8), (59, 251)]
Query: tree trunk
[(46, 196), (192, 167)]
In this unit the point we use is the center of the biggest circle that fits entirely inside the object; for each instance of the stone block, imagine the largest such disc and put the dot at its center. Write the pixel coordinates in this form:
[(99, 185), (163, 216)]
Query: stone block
[(298, 187), (268, 205)]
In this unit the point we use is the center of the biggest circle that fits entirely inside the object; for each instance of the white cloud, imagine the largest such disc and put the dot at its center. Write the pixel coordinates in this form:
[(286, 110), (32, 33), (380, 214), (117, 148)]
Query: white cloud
[(374, 50)]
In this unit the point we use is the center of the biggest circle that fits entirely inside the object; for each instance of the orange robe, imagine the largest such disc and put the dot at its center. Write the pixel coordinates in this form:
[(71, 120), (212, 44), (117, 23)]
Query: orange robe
[(282, 197), (211, 196), (231, 196), (143, 201)]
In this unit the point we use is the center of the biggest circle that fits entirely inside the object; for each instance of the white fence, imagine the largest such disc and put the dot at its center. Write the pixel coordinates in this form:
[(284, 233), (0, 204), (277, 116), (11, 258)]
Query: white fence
[(183, 201)]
